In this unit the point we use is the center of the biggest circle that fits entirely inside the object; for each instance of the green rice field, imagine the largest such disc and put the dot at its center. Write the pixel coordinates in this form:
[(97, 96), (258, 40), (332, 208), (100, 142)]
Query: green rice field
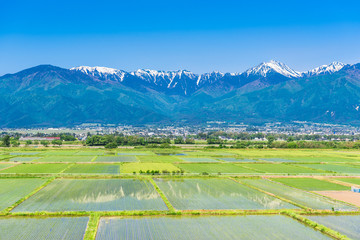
[(211, 227), (188, 194), (24, 153), (276, 160), (350, 180), (199, 159), (2, 157), (209, 153), (281, 168), (36, 168), (136, 167), (116, 159), (237, 160), (53, 228), (159, 159), (214, 168), (311, 184), (5, 165), (135, 153), (94, 195), (65, 159), (22, 159), (89, 153), (338, 168), (60, 153)]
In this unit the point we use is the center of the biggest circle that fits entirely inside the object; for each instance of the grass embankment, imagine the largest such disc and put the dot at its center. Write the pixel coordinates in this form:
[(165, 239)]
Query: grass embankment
[(315, 225), (90, 233), (162, 195)]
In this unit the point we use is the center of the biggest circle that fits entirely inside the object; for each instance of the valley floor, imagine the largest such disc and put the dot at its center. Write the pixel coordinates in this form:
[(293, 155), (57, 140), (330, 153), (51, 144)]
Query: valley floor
[(141, 193)]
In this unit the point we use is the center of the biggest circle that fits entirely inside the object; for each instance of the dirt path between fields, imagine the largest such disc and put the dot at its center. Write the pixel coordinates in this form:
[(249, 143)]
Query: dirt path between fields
[(345, 196)]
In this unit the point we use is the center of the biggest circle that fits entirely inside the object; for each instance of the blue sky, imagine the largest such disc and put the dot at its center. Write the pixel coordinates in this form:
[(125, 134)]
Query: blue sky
[(199, 36)]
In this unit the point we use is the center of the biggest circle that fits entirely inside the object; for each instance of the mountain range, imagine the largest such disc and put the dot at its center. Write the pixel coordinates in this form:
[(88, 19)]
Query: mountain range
[(50, 96)]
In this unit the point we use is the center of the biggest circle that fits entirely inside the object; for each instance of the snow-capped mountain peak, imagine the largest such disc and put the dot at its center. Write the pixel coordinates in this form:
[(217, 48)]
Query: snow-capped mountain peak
[(103, 72), (324, 69), (265, 68), (89, 70)]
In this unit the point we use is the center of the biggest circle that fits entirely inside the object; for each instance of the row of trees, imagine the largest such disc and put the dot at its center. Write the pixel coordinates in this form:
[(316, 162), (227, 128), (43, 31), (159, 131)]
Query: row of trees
[(8, 141), (112, 141), (252, 136), (296, 144), (181, 140)]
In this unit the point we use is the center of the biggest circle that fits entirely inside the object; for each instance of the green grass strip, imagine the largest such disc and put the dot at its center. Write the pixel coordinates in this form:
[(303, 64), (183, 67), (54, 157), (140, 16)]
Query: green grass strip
[(7, 210), (325, 230), (92, 226), (94, 158), (162, 195)]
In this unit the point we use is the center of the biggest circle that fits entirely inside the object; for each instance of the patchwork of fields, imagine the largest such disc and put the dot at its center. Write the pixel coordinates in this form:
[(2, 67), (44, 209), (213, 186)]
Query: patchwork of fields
[(178, 194)]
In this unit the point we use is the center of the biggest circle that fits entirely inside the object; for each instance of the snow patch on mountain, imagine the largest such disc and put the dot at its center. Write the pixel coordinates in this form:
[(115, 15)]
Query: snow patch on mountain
[(168, 78), (209, 77)]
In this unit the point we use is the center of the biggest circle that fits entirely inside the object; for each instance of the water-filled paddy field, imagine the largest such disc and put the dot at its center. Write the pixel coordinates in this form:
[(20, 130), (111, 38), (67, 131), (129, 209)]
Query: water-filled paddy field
[(13, 189), (94, 195), (116, 159), (345, 224), (210, 227), (53, 228), (94, 168), (188, 194)]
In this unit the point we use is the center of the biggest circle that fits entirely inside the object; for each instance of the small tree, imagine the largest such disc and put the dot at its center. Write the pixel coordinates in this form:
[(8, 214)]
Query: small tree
[(15, 143), (290, 139), (179, 140), (292, 145), (56, 142), (45, 143), (28, 142), (270, 139), (6, 141), (189, 141)]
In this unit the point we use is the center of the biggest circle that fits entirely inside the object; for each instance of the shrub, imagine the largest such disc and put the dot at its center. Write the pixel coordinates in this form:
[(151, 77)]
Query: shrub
[(111, 145)]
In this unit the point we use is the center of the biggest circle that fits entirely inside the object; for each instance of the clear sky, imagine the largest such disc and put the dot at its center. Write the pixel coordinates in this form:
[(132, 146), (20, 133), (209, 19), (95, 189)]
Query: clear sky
[(199, 36)]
